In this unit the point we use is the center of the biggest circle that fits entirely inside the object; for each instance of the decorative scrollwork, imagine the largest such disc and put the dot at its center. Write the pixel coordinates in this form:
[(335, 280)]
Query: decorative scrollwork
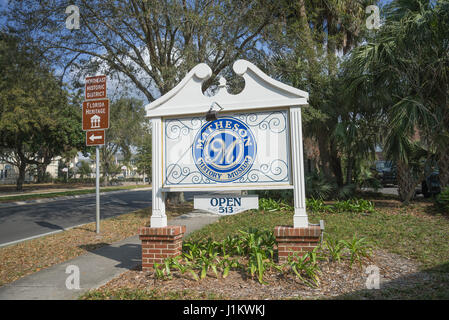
[(276, 171), (270, 171), (275, 121), (176, 127), (175, 175)]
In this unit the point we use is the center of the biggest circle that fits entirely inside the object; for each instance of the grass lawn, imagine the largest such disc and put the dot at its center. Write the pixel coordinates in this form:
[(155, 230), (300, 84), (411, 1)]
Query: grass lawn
[(33, 196), (155, 294), (19, 260), (415, 232), (409, 232)]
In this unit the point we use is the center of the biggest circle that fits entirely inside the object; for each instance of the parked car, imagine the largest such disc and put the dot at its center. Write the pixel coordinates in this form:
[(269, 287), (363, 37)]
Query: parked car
[(431, 185), (385, 172)]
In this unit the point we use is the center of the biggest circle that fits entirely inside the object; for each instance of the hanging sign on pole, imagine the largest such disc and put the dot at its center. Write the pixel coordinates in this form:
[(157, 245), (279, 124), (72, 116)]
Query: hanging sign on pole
[(95, 120), (95, 87), (96, 114)]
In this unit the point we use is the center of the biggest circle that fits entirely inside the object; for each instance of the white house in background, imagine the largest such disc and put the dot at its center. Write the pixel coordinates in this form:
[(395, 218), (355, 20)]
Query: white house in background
[(9, 173), (128, 170)]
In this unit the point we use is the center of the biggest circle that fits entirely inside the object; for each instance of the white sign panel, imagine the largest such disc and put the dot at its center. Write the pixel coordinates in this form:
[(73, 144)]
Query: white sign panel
[(226, 204), (243, 149), (254, 144)]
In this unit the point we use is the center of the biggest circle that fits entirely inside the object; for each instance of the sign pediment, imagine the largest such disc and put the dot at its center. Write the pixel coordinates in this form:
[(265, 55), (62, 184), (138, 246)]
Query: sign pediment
[(260, 92)]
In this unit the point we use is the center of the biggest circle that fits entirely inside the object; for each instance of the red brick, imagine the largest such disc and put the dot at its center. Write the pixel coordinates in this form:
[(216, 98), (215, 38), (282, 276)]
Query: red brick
[(159, 244), (283, 253), (148, 255), (296, 240)]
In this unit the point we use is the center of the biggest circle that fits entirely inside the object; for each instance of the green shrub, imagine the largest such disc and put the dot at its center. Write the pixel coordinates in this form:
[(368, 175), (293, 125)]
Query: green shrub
[(355, 206), (305, 267), (269, 204), (358, 249), (335, 249), (257, 249), (317, 205), (442, 200), (318, 186), (284, 196)]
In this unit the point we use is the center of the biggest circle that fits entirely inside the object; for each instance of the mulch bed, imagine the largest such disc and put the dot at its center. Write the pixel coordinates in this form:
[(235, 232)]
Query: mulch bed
[(337, 279)]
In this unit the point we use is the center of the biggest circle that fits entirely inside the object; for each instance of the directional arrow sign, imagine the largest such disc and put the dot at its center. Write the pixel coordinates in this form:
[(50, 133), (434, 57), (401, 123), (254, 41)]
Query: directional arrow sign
[(95, 138)]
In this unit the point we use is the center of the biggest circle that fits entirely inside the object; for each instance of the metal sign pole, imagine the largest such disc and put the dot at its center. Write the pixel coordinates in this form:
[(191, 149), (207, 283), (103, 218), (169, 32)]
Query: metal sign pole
[(97, 182), (95, 121)]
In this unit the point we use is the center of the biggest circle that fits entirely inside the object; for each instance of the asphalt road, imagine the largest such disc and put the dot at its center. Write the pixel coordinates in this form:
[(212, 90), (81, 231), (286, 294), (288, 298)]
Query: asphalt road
[(24, 221)]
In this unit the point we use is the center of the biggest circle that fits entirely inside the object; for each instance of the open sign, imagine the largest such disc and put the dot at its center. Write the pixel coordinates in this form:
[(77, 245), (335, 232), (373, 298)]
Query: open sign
[(226, 204)]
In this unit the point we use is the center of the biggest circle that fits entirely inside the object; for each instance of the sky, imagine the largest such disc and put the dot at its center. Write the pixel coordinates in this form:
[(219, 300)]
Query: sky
[(3, 4)]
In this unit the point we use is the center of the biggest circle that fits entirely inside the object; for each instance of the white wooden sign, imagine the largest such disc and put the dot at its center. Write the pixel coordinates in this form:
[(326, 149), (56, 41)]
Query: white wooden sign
[(226, 204), (254, 144), (243, 150)]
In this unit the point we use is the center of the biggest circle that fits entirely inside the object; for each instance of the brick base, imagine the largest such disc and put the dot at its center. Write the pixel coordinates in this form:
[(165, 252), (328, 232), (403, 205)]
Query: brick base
[(296, 240), (160, 243)]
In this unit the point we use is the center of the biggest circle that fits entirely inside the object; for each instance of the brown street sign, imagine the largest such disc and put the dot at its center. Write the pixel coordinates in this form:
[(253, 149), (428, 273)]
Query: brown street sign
[(96, 114), (95, 87), (95, 138)]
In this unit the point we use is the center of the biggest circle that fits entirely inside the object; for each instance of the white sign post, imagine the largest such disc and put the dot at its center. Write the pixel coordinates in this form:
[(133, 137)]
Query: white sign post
[(255, 143)]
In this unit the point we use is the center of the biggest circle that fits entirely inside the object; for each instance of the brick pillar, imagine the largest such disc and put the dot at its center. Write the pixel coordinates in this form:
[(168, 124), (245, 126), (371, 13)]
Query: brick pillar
[(299, 240), (160, 243)]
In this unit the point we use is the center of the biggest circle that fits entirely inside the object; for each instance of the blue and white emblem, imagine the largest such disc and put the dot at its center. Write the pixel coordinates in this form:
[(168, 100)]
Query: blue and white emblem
[(224, 149)]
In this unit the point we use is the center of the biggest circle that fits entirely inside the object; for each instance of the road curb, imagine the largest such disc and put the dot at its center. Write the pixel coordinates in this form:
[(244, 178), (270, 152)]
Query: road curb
[(45, 200)]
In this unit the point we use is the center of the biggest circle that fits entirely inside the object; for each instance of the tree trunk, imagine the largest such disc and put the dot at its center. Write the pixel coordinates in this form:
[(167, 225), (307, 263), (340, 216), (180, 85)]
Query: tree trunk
[(443, 167), (21, 177), (175, 197), (406, 182), (335, 162), (330, 162), (323, 145), (349, 170), (41, 170), (336, 170)]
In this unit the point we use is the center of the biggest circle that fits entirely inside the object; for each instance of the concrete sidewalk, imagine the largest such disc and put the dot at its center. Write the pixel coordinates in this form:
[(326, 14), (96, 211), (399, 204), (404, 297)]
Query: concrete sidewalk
[(96, 268)]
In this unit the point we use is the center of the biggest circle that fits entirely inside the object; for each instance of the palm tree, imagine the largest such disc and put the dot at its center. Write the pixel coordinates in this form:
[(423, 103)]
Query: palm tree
[(409, 59), (308, 49)]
